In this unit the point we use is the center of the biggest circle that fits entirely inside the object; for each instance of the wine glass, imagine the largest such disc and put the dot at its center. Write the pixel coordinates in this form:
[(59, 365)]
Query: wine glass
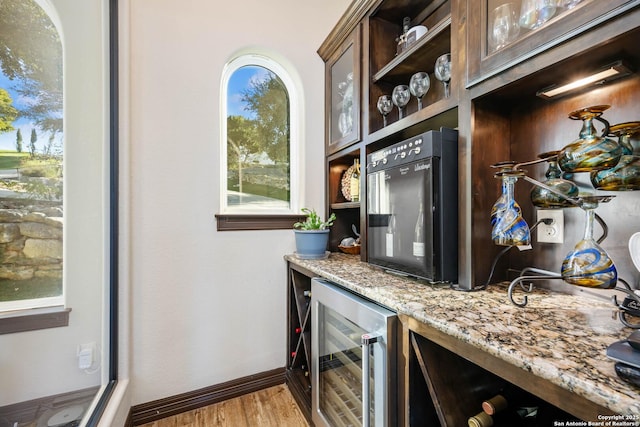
[(534, 13), (442, 71), (569, 4), (505, 26), (419, 86), (385, 105), (400, 98)]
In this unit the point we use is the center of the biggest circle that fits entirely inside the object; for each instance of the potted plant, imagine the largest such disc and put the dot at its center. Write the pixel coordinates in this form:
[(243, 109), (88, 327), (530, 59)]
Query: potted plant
[(312, 235)]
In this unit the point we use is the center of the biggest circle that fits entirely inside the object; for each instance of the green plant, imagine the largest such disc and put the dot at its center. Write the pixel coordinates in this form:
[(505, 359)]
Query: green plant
[(313, 221)]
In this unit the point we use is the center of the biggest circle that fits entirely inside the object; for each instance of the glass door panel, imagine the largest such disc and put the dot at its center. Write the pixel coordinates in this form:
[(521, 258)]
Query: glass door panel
[(340, 361)]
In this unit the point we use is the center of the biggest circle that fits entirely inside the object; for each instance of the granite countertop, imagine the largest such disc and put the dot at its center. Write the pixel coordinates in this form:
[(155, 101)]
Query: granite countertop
[(561, 338)]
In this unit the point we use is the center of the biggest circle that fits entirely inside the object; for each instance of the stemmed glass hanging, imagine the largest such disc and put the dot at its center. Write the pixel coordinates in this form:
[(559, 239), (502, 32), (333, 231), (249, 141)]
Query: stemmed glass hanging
[(624, 176), (509, 227), (442, 71), (588, 264), (385, 105), (590, 152), (400, 97), (419, 86), (544, 197)]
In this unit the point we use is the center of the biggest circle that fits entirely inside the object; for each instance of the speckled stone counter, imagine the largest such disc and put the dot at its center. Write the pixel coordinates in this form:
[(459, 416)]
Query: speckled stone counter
[(561, 338)]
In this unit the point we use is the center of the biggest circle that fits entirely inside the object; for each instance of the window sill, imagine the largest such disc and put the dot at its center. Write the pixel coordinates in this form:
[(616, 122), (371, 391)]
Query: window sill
[(34, 319), (231, 222)]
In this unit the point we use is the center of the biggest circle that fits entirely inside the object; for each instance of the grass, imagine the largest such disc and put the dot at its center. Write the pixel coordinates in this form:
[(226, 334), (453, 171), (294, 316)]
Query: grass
[(11, 159), (14, 290), (260, 190)]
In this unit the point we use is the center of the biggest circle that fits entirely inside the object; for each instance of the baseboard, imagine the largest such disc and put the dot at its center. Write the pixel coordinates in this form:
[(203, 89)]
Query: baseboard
[(162, 408)]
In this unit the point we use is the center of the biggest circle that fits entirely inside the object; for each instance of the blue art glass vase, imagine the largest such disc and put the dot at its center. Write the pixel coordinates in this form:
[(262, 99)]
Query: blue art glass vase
[(588, 264), (509, 227)]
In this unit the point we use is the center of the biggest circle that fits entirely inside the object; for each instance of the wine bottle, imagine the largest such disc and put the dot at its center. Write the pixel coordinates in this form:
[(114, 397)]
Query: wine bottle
[(521, 416), (512, 406), (508, 397), (391, 234), (481, 419), (354, 183), (418, 236)]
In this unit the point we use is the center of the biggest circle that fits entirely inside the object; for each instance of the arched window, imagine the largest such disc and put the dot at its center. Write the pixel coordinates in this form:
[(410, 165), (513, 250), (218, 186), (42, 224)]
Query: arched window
[(260, 126), (31, 157)]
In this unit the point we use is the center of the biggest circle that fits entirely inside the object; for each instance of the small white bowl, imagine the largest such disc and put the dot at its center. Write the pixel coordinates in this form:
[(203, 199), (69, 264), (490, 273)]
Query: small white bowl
[(419, 30)]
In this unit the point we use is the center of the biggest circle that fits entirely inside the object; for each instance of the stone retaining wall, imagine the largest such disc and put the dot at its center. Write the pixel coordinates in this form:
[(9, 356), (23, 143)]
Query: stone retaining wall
[(30, 241)]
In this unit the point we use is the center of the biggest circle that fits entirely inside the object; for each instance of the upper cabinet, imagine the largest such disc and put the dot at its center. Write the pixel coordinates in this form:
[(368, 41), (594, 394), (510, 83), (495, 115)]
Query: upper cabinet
[(406, 38), (343, 82), (503, 33)]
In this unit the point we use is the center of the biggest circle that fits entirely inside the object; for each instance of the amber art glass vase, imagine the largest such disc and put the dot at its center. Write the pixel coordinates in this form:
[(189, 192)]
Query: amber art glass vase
[(624, 176), (590, 152), (546, 199), (509, 227), (588, 264)]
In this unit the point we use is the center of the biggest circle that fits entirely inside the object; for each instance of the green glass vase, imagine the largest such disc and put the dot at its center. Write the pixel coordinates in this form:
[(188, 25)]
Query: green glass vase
[(590, 152), (546, 199), (624, 176)]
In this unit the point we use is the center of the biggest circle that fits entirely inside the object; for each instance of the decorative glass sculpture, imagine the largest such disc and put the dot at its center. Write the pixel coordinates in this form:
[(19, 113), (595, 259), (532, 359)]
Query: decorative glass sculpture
[(588, 264), (625, 176), (544, 198), (500, 204), (590, 152), (509, 227)]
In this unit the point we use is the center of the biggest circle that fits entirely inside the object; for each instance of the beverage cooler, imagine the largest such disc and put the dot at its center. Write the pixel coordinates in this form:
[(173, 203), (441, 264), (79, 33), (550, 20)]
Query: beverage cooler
[(412, 206), (353, 359)]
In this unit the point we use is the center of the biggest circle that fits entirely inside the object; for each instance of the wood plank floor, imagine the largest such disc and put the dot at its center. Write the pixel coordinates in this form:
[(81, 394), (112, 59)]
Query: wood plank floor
[(272, 407)]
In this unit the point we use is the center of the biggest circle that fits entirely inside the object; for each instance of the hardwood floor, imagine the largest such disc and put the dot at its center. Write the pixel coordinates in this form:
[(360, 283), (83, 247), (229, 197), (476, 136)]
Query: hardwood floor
[(271, 407)]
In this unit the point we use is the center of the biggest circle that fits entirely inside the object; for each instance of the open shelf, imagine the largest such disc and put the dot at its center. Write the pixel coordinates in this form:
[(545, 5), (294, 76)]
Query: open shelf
[(426, 50)]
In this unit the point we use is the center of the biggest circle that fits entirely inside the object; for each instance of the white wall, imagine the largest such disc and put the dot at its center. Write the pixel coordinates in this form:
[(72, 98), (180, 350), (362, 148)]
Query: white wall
[(208, 306)]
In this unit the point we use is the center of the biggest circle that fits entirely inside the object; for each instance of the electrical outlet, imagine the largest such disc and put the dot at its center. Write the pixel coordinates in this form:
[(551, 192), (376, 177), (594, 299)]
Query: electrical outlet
[(554, 232), (86, 355)]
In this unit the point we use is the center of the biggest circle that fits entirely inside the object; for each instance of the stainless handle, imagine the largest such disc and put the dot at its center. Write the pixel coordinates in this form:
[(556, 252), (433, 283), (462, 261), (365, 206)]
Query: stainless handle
[(367, 340)]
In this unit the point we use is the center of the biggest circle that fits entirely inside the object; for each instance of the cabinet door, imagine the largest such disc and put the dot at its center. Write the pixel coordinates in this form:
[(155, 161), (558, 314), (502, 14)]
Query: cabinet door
[(503, 33), (343, 94)]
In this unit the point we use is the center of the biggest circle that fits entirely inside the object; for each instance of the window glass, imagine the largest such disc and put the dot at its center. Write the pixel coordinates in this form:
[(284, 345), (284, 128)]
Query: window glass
[(31, 157), (257, 139)]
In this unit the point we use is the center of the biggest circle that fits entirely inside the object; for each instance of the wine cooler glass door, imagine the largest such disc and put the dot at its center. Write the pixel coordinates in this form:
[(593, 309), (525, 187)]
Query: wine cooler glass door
[(344, 395)]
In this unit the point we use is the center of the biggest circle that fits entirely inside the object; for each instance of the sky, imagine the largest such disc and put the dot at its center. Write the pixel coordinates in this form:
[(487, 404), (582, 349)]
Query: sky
[(240, 80), (8, 139)]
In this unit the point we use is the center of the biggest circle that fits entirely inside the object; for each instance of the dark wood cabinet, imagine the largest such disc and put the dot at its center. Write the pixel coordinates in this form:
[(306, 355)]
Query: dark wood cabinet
[(371, 28), (486, 57), (388, 68), (446, 380), (507, 121), (494, 107), (342, 96), (299, 336)]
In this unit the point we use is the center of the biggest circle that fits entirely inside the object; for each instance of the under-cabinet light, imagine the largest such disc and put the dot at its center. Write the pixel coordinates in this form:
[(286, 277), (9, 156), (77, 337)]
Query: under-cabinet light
[(610, 72)]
